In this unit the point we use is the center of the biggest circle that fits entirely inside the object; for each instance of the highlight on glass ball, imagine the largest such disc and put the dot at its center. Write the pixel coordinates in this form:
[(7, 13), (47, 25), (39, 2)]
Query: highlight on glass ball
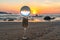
[(25, 11)]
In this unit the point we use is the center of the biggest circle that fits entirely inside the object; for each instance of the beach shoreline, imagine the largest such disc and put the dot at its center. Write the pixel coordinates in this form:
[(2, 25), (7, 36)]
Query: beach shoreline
[(36, 31)]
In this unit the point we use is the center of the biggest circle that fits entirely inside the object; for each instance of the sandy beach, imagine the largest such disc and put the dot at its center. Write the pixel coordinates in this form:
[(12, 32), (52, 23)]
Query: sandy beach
[(36, 31)]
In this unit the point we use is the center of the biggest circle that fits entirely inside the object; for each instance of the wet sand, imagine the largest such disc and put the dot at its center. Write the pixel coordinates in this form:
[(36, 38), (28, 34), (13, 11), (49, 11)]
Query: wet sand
[(36, 31)]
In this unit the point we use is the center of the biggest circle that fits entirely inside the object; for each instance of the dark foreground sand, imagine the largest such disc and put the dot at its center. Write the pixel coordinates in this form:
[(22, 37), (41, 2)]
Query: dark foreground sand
[(36, 31)]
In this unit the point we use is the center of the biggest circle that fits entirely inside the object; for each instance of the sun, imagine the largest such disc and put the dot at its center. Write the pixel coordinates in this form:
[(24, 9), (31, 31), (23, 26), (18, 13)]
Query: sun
[(34, 11)]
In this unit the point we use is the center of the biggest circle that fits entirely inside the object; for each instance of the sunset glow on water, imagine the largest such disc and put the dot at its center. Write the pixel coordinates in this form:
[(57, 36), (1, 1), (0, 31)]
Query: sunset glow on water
[(35, 20)]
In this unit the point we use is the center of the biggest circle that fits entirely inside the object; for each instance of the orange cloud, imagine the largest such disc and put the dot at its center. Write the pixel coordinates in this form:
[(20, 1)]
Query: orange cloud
[(50, 10), (34, 9)]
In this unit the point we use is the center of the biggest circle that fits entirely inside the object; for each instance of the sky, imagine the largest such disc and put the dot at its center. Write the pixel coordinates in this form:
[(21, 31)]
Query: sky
[(36, 6)]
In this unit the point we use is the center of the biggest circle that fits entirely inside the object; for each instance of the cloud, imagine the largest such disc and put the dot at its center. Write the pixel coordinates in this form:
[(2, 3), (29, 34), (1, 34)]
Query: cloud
[(54, 0)]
